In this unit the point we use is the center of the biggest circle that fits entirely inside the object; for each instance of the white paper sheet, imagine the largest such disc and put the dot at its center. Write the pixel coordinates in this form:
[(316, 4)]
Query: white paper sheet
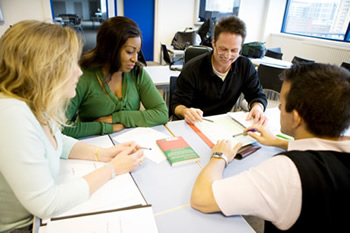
[(101, 141), (145, 137), (117, 193), (126, 221)]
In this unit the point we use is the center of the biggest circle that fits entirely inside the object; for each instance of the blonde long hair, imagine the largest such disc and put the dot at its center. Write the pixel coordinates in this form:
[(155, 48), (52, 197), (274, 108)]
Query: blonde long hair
[(36, 63)]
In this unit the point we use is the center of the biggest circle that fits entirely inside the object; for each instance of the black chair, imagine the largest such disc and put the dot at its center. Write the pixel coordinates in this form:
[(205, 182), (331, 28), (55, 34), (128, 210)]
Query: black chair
[(172, 87), (269, 77), (194, 51), (346, 65), (166, 57), (299, 60), (274, 53)]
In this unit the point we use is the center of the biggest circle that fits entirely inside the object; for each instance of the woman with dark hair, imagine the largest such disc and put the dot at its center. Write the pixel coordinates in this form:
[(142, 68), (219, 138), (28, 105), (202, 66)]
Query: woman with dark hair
[(114, 84)]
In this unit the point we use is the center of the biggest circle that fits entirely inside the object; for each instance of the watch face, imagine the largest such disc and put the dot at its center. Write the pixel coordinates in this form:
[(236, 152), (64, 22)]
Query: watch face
[(218, 154)]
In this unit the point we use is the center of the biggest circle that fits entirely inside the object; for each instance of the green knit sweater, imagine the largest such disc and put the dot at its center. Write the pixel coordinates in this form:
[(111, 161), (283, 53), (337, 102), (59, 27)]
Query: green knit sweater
[(92, 101)]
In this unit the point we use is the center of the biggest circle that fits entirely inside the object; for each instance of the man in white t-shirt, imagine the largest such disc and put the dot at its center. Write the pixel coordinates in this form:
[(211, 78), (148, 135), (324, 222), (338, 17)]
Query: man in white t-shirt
[(305, 188)]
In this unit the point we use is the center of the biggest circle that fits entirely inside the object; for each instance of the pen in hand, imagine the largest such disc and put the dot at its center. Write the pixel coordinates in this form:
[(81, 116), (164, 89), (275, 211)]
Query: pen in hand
[(145, 148), (244, 133), (207, 120)]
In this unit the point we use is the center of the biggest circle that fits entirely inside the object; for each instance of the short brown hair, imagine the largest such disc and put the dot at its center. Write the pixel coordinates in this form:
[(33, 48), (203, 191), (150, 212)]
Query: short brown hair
[(320, 93), (231, 24)]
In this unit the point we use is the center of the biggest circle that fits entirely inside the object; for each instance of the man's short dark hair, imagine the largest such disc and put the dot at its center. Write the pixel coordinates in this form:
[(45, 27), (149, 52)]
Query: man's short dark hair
[(320, 93), (231, 24)]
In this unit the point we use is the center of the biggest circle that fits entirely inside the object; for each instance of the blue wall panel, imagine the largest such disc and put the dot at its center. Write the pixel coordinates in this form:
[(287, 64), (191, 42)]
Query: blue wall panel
[(142, 12)]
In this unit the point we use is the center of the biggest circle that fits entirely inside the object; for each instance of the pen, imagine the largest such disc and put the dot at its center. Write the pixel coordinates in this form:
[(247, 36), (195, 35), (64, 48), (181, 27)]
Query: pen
[(145, 148), (239, 134), (207, 120)]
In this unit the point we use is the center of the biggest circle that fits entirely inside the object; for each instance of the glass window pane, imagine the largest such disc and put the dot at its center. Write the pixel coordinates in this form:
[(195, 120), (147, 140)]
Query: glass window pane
[(318, 18)]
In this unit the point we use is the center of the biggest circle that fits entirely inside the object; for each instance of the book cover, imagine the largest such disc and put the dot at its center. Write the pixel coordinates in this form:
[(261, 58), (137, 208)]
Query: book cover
[(177, 150)]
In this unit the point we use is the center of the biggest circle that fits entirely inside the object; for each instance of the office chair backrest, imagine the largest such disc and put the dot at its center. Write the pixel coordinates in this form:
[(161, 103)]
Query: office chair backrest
[(346, 65), (273, 54), (194, 51), (166, 55), (269, 77), (172, 87), (298, 60)]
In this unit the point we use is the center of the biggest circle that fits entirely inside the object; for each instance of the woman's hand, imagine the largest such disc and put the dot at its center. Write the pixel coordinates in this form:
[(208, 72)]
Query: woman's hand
[(107, 154), (226, 147), (118, 127), (105, 119), (127, 160)]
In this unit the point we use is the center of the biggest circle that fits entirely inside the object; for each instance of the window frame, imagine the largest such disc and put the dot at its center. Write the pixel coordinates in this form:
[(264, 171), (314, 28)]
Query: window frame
[(283, 28)]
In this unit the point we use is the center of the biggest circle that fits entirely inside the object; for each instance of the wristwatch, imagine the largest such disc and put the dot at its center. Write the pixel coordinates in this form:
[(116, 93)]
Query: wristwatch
[(220, 155)]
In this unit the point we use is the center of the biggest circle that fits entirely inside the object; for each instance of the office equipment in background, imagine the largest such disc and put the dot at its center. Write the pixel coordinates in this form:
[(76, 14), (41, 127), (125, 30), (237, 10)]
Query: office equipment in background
[(177, 150), (298, 60), (194, 51), (346, 65), (269, 77), (171, 60), (274, 53), (172, 87)]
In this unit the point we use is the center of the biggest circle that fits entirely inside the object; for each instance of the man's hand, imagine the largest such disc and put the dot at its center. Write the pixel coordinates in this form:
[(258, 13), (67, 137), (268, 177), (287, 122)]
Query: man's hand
[(257, 112), (192, 115)]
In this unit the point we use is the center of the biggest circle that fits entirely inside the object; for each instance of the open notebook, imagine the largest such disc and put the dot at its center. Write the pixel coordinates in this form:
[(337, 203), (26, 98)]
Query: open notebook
[(223, 127)]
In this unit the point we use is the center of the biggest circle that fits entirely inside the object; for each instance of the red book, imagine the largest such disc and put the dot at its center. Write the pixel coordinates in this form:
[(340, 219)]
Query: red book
[(177, 150)]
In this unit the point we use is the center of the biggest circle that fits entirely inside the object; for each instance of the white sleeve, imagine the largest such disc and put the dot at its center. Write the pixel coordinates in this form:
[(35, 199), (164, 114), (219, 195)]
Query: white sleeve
[(271, 191), (29, 166)]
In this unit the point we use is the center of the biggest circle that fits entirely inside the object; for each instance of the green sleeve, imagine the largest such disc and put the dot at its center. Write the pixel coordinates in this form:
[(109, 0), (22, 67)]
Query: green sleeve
[(156, 111), (79, 129)]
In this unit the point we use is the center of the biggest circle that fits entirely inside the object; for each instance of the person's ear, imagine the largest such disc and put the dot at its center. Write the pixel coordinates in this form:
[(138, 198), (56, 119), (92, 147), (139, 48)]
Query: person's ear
[(213, 43), (297, 120)]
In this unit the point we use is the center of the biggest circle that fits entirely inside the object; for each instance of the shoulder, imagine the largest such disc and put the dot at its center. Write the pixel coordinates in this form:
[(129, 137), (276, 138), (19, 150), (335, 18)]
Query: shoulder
[(12, 106), (139, 75), (244, 61), (197, 66), (16, 116)]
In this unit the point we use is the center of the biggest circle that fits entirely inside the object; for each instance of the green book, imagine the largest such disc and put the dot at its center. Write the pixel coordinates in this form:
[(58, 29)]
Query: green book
[(177, 150)]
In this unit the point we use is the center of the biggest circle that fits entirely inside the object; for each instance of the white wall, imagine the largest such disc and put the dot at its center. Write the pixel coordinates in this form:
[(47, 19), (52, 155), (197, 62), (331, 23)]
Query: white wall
[(171, 16), (17, 10)]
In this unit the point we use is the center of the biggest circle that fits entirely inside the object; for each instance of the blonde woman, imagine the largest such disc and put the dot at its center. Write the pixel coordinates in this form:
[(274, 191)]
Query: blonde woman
[(38, 75)]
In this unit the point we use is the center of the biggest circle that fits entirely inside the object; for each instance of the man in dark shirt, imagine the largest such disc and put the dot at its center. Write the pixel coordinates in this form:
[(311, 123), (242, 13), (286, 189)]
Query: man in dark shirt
[(211, 84)]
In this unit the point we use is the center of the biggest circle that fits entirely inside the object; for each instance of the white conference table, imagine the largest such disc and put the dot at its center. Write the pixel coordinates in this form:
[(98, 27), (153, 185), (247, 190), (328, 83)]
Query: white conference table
[(160, 75), (168, 190)]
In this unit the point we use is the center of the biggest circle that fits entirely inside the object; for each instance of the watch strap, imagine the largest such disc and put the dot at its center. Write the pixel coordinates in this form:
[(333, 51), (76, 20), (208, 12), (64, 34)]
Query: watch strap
[(220, 155)]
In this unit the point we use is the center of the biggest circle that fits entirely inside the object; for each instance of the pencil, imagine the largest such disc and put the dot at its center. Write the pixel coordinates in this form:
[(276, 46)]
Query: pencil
[(244, 133), (207, 120), (145, 148)]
